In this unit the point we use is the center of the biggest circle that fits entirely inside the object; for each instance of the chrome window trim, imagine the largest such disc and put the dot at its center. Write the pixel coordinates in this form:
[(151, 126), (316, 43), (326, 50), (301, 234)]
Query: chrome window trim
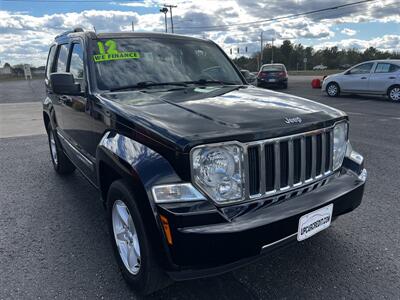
[(277, 190)]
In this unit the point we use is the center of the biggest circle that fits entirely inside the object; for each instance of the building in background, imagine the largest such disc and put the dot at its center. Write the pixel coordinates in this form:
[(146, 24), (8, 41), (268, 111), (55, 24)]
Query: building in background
[(6, 69)]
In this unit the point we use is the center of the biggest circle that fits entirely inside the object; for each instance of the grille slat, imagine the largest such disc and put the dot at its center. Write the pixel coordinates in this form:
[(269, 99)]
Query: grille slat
[(254, 170), (313, 156), (329, 143), (262, 172), (277, 153), (288, 162), (269, 167), (318, 154), (297, 161), (308, 157), (284, 153), (323, 152)]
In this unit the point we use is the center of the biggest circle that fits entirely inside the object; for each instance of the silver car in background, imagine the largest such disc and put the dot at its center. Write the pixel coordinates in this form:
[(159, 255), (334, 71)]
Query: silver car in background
[(378, 77)]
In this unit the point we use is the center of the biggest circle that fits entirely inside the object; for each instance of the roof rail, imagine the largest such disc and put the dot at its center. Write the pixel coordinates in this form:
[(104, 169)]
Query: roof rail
[(77, 29)]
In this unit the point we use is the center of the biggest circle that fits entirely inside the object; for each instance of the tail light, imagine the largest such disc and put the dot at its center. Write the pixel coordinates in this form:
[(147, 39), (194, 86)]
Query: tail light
[(283, 74)]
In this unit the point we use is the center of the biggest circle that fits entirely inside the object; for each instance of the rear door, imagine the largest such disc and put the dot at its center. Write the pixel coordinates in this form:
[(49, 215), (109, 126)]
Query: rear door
[(356, 79), (50, 69), (59, 65), (384, 75)]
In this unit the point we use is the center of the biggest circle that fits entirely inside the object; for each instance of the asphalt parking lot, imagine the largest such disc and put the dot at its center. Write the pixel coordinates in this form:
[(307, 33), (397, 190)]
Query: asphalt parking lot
[(54, 241)]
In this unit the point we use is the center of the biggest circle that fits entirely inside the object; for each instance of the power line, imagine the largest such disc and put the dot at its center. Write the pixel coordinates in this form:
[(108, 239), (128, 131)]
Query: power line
[(277, 18)]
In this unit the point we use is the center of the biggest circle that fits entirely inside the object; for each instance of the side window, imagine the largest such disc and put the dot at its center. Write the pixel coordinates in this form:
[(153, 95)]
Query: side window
[(62, 58), (382, 68), (394, 68), (362, 69), (76, 64), (50, 60)]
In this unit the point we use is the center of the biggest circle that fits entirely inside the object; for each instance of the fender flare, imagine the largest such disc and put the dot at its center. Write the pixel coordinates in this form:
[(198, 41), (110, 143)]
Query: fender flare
[(49, 112), (144, 168)]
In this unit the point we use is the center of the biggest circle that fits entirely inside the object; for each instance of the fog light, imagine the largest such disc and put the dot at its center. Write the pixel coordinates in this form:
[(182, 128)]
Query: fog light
[(363, 175)]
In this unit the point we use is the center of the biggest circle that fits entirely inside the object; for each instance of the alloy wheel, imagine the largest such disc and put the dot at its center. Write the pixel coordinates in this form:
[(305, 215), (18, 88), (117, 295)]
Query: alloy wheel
[(126, 237), (332, 90), (395, 94)]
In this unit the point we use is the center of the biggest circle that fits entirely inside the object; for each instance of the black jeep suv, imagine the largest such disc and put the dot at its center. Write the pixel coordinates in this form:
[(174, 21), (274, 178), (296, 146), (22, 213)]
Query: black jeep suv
[(199, 172)]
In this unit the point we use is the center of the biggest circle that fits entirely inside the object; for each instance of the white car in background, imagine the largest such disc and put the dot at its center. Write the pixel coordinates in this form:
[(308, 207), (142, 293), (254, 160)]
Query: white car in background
[(320, 67), (378, 77)]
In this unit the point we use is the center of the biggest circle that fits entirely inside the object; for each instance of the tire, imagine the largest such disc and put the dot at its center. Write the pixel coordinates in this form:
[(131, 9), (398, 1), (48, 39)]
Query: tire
[(285, 86), (394, 93), (333, 89), (61, 163), (139, 268)]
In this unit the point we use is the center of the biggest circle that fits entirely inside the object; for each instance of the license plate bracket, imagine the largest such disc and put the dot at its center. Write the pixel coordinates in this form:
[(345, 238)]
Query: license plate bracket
[(314, 222)]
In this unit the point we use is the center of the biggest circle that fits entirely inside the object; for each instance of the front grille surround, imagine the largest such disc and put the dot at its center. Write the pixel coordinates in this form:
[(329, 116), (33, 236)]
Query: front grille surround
[(291, 169)]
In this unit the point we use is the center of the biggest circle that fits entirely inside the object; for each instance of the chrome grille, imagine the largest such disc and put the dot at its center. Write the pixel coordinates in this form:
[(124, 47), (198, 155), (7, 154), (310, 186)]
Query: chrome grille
[(282, 164)]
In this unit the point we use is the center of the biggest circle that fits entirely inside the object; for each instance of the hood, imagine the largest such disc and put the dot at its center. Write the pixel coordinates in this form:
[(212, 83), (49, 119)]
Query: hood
[(336, 74), (191, 116)]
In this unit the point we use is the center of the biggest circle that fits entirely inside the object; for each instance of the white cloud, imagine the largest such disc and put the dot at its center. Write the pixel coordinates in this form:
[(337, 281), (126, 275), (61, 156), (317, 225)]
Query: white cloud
[(349, 32), (145, 3), (31, 35), (389, 42)]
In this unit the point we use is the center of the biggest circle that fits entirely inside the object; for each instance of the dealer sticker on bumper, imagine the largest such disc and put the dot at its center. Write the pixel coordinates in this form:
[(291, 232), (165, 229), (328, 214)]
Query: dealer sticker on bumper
[(314, 222)]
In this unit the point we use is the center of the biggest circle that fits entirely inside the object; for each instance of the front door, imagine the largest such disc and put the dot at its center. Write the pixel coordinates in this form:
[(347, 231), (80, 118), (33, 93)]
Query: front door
[(76, 123), (357, 78)]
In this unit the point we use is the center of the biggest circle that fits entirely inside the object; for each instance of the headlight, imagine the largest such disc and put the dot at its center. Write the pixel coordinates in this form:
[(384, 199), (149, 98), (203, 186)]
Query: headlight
[(217, 171), (339, 144)]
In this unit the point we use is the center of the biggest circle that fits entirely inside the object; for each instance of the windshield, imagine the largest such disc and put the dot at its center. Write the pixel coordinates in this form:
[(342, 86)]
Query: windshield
[(273, 68), (124, 62)]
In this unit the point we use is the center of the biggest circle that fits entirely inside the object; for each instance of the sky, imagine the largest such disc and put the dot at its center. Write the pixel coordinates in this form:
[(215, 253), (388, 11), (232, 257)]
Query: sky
[(27, 28)]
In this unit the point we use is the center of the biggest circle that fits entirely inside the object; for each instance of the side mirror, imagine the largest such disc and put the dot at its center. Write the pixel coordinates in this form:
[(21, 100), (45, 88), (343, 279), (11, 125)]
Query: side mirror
[(245, 75), (64, 83)]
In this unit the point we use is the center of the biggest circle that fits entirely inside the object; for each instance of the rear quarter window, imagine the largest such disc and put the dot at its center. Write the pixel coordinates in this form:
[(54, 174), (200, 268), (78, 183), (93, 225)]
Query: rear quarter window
[(62, 58), (394, 68), (50, 60)]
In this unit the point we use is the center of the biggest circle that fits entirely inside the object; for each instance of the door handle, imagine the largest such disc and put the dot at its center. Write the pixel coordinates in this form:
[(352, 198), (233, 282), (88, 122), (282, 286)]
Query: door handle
[(392, 77), (363, 77)]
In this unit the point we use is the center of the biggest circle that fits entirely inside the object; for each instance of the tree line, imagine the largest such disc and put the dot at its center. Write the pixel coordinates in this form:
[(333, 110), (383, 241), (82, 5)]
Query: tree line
[(293, 56)]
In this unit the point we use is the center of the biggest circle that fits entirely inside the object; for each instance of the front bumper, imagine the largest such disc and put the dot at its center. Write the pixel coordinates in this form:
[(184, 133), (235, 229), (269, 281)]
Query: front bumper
[(206, 242)]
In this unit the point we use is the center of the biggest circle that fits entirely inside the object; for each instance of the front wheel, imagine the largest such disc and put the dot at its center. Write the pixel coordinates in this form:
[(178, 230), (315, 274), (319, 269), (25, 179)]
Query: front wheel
[(394, 93), (332, 89), (131, 245)]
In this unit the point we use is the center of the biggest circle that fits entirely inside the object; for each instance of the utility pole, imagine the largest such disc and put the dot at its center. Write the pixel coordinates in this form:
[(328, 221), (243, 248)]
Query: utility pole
[(261, 50), (133, 27), (164, 10), (166, 6)]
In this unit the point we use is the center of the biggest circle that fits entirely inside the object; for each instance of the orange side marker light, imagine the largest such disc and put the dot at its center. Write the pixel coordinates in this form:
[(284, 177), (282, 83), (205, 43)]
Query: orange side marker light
[(167, 230)]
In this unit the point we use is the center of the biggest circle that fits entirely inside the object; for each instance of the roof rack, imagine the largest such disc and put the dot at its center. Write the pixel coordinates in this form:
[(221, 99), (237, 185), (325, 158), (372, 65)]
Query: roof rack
[(77, 29)]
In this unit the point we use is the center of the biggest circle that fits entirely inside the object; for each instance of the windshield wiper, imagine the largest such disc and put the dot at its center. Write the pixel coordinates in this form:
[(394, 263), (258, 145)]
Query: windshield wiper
[(145, 84), (206, 81)]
